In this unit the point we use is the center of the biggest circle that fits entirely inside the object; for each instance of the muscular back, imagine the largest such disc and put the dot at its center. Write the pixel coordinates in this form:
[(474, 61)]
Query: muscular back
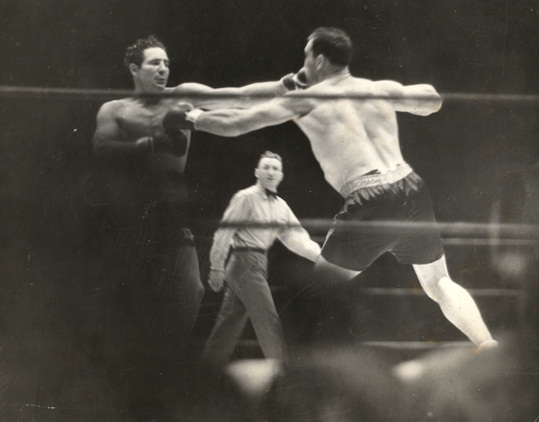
[(351, 137)]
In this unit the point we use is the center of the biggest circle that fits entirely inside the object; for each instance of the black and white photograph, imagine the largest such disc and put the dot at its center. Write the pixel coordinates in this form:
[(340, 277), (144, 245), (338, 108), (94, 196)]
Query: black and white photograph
[(269, 211)]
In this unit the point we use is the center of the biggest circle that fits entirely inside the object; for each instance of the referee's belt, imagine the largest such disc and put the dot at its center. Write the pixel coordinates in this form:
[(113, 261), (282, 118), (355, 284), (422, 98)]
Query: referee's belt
[(248, 249)]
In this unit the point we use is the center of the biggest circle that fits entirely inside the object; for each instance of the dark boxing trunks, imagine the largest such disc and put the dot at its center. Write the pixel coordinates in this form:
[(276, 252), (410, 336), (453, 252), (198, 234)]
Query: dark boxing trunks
[(399, 195)]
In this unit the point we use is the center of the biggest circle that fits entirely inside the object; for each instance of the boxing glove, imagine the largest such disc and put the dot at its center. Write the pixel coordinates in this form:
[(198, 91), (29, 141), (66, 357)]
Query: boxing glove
[(173, 142), (176, 117), (294, 81)]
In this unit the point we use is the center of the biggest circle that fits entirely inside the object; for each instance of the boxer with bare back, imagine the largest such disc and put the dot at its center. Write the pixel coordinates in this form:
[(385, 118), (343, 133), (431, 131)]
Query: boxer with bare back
[(356, 142)]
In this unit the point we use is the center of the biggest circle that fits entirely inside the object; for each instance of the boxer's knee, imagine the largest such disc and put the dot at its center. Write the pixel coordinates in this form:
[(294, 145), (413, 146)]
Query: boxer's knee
[(442, 289)]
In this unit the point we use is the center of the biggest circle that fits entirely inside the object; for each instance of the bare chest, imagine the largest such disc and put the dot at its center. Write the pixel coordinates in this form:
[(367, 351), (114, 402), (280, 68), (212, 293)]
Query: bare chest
[(137, 120)]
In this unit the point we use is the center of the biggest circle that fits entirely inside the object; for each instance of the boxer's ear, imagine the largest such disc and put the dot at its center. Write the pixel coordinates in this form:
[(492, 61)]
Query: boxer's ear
[(320, 61), (133, 68)]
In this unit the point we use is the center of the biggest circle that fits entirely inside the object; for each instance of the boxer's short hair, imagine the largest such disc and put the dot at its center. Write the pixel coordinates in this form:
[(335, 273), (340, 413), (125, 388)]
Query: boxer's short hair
[(333, 43), (135, 52)]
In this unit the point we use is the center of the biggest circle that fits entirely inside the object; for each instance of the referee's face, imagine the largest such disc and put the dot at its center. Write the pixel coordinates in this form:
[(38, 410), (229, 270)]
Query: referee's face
[(269, 173)]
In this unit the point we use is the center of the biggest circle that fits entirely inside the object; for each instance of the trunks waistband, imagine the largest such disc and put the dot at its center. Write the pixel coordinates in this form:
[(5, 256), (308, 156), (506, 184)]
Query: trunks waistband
[(370, 180), (248, 249)]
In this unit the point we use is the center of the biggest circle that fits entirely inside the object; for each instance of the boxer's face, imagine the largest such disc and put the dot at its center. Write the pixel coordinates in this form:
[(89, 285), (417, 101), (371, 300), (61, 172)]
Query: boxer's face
[(152, 75), (269, 173)]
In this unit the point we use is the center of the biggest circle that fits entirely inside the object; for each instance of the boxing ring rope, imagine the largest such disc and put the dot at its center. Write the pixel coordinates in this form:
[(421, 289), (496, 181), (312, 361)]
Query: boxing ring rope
[(22, 92), (452, 232), (455, 233), (523, 232)]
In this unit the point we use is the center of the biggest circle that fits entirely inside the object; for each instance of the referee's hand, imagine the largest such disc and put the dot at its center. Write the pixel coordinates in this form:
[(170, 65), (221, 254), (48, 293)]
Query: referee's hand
[(217, 280)]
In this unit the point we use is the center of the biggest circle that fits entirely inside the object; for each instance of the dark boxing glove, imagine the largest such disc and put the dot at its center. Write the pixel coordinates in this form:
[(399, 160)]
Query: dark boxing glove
[(294, 81), (176, 117), (173, 142)]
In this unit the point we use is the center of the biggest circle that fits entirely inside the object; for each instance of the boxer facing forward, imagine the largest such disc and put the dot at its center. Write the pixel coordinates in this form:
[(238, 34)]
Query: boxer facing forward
[(144, 159)]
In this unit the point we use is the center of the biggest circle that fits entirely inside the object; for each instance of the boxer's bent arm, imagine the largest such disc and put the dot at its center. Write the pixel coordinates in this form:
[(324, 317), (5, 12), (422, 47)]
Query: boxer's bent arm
[(243, 97), (234, 122), (421, 99), (105, 140)]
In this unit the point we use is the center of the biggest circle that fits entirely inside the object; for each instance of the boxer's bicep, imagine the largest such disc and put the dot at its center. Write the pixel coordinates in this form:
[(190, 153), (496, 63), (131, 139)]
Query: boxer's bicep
[(107, 128), (421, 99)]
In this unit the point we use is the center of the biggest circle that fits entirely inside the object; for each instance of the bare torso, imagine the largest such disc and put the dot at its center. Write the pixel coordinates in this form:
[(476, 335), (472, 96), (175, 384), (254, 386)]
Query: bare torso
[(137, 118), (351, 137)]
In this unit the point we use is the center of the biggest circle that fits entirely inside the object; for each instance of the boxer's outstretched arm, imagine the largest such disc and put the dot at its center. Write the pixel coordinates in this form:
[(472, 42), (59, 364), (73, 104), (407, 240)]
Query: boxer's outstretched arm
[(242, 97), (235, 122), (419, 99)]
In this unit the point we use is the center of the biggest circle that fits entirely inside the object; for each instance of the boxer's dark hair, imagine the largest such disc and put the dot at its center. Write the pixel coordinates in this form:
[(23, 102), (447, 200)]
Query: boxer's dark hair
[(333, 43), (135, 52)]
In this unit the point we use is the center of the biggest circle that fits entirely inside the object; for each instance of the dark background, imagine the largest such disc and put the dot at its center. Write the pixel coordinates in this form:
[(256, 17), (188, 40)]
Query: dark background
[(462, 152), (471, 154)]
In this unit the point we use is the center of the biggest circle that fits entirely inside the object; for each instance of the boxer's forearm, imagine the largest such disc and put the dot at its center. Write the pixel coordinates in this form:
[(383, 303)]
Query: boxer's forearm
[(118, 149), (235, 122), (228, 122)]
